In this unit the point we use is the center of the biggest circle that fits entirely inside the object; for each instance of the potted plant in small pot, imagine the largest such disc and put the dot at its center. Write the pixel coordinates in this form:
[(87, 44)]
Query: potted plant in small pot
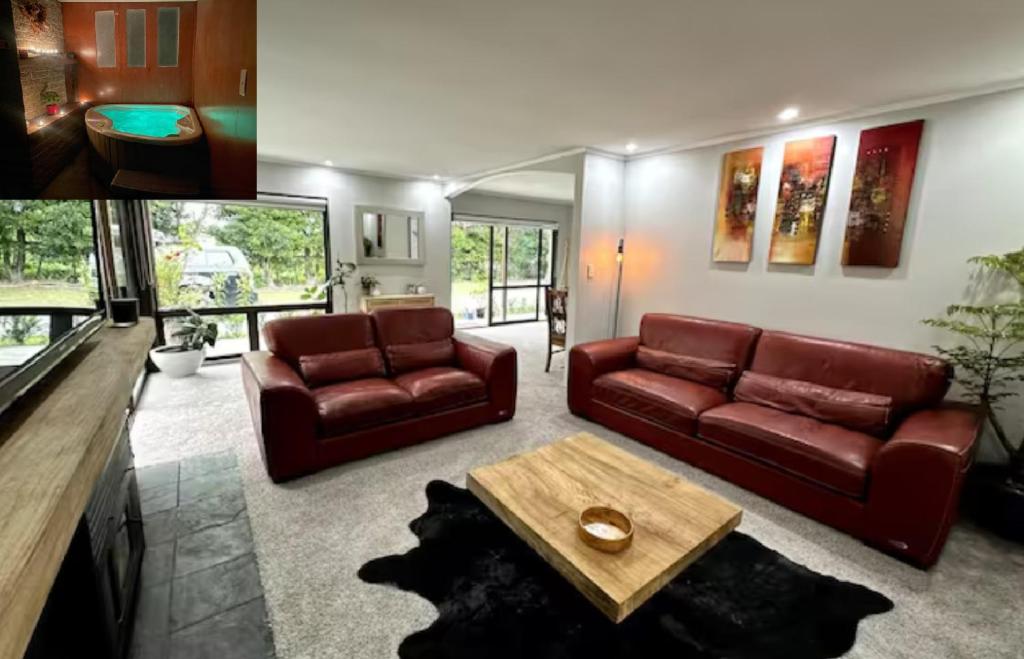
[(52, 101), (185, 358), (989, 366), (370, 284)]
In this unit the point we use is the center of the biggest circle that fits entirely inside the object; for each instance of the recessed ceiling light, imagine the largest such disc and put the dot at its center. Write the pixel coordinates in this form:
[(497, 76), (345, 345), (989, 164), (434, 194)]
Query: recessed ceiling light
[(631, 147), (437, 177), (789, 114), (329, 163)]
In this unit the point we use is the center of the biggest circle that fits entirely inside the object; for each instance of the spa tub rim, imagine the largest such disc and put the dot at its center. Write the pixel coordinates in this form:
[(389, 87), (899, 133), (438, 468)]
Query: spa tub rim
[(104, 125)]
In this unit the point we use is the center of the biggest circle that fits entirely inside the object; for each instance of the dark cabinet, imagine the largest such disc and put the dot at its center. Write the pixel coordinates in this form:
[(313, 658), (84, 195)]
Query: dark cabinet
[(90, 609)]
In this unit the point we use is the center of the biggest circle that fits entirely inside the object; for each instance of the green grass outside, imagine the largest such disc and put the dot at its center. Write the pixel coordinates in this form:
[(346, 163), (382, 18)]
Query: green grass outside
[(281, 295), (45, 294), (467, 288)]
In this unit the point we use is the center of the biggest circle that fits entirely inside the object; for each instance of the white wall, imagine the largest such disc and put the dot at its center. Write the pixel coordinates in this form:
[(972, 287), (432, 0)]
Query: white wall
[(593, 272), (344, 191), (966, 201)]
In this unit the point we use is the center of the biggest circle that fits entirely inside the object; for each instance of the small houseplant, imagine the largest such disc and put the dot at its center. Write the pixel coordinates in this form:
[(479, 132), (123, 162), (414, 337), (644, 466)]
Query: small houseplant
[(51, 99), (370, 284), (342, 271), (989, 363), (184, 358)]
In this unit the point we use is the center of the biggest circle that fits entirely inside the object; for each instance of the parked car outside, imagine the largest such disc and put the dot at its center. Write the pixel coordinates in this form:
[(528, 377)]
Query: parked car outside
[(220, 270)]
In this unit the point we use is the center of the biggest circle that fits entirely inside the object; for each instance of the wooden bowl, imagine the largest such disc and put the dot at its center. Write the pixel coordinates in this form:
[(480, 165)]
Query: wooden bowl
[(606, 529)]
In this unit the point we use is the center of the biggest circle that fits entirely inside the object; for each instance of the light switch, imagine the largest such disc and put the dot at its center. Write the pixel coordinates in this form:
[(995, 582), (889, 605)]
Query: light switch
[(590, 271), (241, 81)]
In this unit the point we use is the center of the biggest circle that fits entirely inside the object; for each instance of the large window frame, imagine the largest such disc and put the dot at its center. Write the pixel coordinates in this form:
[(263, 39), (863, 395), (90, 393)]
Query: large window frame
[(252, 312), (501, 224)]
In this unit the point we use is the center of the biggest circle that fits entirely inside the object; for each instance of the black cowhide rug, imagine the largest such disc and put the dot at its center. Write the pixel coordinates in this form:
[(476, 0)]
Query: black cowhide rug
[(498, 600)]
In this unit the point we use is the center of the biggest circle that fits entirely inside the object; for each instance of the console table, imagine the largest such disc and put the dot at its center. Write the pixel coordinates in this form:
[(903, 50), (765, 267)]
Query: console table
[(368, 303), (67, 495)]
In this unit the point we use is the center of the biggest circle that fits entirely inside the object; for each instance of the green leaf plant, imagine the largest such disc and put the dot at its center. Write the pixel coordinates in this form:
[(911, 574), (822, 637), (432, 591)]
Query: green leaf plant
[(343, 270), (196, 332), (989, 358)]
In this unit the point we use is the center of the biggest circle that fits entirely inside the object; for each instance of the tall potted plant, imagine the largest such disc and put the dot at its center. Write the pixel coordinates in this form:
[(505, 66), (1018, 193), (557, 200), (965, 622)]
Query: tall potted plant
[(342, 271), (989, 362), (185, 358)]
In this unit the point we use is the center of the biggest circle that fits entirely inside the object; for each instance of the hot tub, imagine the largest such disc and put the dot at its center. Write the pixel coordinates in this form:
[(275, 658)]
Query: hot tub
[(164, 139)]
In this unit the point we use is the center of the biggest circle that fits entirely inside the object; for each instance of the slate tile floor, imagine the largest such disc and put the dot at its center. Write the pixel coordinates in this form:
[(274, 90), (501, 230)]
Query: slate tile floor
[(201, 595)]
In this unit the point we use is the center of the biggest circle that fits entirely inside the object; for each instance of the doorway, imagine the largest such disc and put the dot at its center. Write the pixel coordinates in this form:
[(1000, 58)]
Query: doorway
[(500, 270)]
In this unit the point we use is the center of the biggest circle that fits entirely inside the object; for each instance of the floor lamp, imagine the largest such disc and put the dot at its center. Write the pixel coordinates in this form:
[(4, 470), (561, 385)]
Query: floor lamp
[(618, 290)]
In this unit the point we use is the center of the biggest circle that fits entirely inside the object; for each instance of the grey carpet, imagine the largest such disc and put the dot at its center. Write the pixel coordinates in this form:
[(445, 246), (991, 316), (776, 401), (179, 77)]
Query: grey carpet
[(312, 535)]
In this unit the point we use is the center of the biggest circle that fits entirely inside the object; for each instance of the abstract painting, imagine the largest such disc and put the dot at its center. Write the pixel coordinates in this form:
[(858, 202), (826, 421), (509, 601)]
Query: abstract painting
[(882, 181), (737, 205), (806, 165)]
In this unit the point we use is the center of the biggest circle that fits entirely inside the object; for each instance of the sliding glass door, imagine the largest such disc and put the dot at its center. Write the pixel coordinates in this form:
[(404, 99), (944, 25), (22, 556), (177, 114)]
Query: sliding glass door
[(517, 266)]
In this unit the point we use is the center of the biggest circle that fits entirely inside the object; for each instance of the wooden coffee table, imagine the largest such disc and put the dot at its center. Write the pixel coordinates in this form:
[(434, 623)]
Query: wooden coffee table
[(540, 495)]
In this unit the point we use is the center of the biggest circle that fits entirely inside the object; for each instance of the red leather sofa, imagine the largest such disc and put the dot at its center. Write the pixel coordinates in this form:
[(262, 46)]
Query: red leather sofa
[(341, 387), (853, 435)]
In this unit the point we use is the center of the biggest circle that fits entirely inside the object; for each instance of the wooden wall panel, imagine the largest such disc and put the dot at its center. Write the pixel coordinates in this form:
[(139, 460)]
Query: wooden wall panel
[(226, 44), (122, 84)]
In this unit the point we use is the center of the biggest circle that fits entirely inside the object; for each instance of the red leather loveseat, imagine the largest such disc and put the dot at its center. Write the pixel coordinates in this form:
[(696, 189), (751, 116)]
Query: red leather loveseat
[(341, 387), (853, 435)]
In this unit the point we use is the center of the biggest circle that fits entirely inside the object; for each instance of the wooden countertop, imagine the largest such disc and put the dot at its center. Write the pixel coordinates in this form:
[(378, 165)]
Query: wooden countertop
[(53, 447)]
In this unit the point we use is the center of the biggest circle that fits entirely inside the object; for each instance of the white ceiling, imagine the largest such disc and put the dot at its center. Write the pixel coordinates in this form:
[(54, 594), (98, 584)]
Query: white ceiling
[(546, 186), (455, 87)]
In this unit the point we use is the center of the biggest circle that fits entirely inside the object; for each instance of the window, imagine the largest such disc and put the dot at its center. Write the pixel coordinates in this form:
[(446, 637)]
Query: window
[(167, 36), (136, 37), (49, 279), (238, 264), (106, 57), (500, 271)]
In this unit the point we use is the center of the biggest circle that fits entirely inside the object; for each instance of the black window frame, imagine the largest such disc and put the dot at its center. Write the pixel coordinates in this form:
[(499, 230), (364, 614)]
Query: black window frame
[(252, 312), (541, 227)]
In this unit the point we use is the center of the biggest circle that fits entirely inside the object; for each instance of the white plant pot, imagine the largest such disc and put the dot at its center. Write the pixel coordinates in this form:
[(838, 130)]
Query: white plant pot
[(178, 364)]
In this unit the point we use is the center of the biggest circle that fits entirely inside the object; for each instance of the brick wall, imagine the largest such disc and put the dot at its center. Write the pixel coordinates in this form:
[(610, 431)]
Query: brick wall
[(45, 71)]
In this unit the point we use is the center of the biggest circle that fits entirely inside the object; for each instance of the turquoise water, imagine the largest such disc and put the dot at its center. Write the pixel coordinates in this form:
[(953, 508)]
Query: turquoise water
[(150, 120)]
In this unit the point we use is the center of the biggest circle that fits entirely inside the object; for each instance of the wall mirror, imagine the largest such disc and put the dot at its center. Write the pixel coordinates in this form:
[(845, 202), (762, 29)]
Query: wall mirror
[(388, 236)]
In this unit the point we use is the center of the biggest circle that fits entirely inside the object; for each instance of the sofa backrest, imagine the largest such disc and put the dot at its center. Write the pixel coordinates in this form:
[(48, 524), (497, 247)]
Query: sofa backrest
[(326, 349), (711, 352), (911, 379), (415, 337)]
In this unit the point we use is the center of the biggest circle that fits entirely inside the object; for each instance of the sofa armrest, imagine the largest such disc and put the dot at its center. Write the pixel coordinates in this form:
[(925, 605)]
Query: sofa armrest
[(494, 363), (588, 361), (916, 478), (284, 415)]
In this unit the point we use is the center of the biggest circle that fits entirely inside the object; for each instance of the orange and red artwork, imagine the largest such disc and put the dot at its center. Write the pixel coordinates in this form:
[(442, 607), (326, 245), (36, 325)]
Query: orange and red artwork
[(886, 159), (737, 205), (803, 189)]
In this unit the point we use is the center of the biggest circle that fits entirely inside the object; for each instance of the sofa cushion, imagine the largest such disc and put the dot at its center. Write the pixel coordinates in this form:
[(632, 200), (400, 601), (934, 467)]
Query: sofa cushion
[(660, 398), (827, 454), (711, 372), (443, 387), (914, 381), (416, 356), (870, 413), (415, 338), (716, 340), (360, 404), (331, 367), (291, 338)]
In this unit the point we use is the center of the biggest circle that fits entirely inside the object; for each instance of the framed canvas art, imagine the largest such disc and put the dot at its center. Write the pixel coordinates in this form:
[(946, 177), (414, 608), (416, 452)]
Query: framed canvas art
[(803, 189), (737, 206), (886, 159)]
